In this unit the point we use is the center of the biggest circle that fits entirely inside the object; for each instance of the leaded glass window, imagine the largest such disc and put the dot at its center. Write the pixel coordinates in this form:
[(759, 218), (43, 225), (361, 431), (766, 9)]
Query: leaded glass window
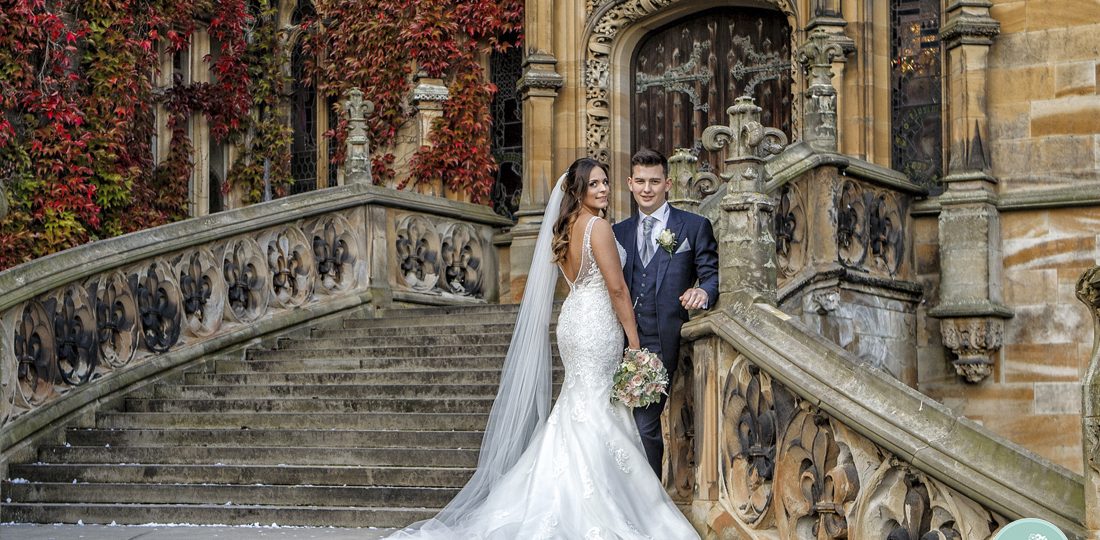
[(505, 69), (303, 122), (916, 102)]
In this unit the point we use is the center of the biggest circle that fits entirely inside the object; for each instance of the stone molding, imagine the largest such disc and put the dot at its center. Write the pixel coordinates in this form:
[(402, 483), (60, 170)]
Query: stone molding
[(425, 91), (967, 29), (1067, 197), (539, 73)]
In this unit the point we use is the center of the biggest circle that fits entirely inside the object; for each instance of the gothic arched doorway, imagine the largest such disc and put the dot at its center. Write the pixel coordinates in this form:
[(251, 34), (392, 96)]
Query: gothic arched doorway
[(687, 73)]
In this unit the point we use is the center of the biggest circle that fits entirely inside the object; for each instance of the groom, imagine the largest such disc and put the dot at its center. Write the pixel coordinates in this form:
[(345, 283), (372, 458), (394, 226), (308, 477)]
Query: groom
[(671, 267)]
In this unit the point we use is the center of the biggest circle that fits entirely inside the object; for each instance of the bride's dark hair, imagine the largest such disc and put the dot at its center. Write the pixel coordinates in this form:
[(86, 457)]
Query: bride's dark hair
[(575, 187)]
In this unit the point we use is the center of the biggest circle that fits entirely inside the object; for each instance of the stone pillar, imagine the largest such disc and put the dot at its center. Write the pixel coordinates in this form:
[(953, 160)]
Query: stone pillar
[(746, 240), (971, 312), (3, 201), (538, 88), (428, 97), (819, 110), (357, 164), (1088, 291)]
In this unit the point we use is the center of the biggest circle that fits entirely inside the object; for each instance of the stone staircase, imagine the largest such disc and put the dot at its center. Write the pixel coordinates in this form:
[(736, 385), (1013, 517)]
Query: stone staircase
[(375, 424)]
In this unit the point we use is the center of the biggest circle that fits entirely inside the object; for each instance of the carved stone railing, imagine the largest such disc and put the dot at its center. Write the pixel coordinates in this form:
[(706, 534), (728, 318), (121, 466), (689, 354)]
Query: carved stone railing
[(779, 433), (1088, 291), (79, 325)]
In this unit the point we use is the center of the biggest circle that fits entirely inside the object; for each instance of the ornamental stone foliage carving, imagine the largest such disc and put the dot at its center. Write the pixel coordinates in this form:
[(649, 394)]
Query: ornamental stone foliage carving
[(463, 261), (973, 340), (870, 228), (790, 231), (680, 478), (789, 470), (159, 305), (117, 319), (336, 252), (438, 256), (293, 270), (203, 288), (107, 322), (74, 326), (1088, 292), (244, 268), (607, 19)]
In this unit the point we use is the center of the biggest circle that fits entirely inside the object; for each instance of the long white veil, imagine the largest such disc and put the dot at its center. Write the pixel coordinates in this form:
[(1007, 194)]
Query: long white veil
[(523, 399)]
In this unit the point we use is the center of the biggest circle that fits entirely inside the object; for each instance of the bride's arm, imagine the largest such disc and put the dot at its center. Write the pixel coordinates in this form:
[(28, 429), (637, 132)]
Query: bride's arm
[(607, 259)]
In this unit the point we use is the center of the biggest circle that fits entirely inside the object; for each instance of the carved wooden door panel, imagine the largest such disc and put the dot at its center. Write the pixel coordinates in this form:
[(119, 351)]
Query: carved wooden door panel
[(688, 73)]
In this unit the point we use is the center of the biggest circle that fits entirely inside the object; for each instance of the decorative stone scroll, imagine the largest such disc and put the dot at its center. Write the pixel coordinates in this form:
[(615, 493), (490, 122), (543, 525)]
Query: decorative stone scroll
[(870, 228), (203, 288), (439, 256), (791, 231)]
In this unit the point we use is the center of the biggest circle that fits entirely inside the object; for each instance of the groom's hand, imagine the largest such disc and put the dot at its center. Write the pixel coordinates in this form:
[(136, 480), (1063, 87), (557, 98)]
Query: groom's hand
[(694, 298)]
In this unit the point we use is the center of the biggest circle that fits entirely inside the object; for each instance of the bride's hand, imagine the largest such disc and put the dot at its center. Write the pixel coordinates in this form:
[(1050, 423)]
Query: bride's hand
[(633, 346)]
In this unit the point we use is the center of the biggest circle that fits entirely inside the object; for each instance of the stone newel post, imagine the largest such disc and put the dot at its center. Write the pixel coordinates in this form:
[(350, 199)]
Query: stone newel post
[(1088, 291), (357, 165), (817, 56), (746, 241)]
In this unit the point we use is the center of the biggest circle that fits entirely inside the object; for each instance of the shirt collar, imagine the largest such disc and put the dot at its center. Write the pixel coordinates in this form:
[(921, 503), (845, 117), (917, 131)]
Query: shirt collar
[(661, 213)]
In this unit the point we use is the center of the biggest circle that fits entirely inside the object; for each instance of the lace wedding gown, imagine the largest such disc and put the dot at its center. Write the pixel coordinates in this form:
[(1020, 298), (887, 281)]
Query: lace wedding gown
[(585, 476)]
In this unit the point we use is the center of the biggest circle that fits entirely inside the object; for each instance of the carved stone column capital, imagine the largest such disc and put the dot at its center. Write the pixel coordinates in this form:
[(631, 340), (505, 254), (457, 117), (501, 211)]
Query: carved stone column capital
[(817, 56), (357, 165), (540, 75), (429, 89), (968, 28)]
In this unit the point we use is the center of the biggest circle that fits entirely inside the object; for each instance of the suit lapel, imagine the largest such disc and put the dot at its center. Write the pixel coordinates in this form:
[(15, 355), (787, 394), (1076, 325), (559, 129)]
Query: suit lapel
[(676, 225), (630, 244)]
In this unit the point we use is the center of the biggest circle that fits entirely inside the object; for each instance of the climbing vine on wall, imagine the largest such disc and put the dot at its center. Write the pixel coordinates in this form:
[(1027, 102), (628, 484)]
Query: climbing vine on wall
[(376, 45)]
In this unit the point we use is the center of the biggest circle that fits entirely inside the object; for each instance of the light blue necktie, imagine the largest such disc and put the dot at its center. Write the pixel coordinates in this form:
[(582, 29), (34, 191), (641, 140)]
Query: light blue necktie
[(647, 239)]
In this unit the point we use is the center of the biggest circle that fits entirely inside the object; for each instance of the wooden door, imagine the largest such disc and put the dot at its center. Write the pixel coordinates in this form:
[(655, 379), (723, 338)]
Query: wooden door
[(688, 73)]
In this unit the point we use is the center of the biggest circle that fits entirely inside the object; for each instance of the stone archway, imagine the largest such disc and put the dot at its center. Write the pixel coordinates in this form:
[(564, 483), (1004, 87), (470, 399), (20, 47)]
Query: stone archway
[(615, 27)]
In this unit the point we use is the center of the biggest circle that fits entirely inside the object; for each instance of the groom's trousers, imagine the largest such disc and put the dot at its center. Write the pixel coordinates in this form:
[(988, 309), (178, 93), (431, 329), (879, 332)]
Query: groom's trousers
[(649, 418)]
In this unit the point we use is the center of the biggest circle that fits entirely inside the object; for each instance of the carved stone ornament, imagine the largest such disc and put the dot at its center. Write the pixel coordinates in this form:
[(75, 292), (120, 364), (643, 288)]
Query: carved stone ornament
[(290, 260), (969, 29), (974, 340), (680, 427), (204, 292), (418, 247), (336, 253), (429, 91), (825, 301), (608, 19), (74, 327), (117, 319), (160, 305), (791, 246), (748, 445), (463, 260), (247, 278), (9, 382), (816, 479), (817, 56), (357, 165), (1088, 292), (35, 351), (899, 502)]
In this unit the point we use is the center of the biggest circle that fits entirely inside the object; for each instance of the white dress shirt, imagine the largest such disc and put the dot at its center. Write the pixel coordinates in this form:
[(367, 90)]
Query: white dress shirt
[(661, 215)]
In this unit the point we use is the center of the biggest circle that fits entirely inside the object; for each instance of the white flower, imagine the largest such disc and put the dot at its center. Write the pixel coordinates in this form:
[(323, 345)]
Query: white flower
[(667, 240)]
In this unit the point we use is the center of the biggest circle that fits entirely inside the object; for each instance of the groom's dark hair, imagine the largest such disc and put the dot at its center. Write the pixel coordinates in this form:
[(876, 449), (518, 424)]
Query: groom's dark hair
[(647, 158)]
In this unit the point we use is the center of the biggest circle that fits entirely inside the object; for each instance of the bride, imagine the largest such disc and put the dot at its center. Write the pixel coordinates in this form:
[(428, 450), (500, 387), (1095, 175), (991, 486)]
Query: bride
[(578, 470)]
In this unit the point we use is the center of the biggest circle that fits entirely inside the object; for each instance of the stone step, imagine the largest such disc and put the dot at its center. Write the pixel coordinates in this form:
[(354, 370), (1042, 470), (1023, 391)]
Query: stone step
[(228, 494), (463, 421), (317, 475), (183, 455), (460, 329), (325, 349), (303, 363), (472, 376), (446, 340), (471, 310), (334, 405), (137, 514), (241, 391), (433, 320), (274, 438)]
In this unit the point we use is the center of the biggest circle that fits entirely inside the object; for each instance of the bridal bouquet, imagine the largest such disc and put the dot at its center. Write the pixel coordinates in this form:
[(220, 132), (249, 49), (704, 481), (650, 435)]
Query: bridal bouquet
[(640, 380)]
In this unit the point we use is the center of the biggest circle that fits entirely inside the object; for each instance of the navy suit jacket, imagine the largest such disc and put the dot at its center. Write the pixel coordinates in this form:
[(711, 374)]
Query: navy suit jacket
[(676, 272)]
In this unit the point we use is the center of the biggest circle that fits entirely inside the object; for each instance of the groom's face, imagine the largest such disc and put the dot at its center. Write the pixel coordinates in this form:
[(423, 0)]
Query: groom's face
[(650, 186)]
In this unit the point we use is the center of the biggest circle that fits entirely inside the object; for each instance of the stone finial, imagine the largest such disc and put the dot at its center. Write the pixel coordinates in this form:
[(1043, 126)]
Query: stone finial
[(689, 186), (357, 165), (746, 244), (817, 56), (1088, 291)]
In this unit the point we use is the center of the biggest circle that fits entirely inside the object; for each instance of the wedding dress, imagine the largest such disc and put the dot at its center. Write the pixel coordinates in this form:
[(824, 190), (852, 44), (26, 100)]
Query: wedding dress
[(584, 474)]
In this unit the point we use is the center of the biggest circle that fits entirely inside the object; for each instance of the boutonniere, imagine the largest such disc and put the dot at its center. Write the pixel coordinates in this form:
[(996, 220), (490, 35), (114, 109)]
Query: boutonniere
[(667, 240)]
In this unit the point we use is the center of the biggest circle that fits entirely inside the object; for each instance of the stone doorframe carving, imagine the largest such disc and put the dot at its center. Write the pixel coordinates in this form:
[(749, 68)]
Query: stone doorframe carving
[(614, 29)]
